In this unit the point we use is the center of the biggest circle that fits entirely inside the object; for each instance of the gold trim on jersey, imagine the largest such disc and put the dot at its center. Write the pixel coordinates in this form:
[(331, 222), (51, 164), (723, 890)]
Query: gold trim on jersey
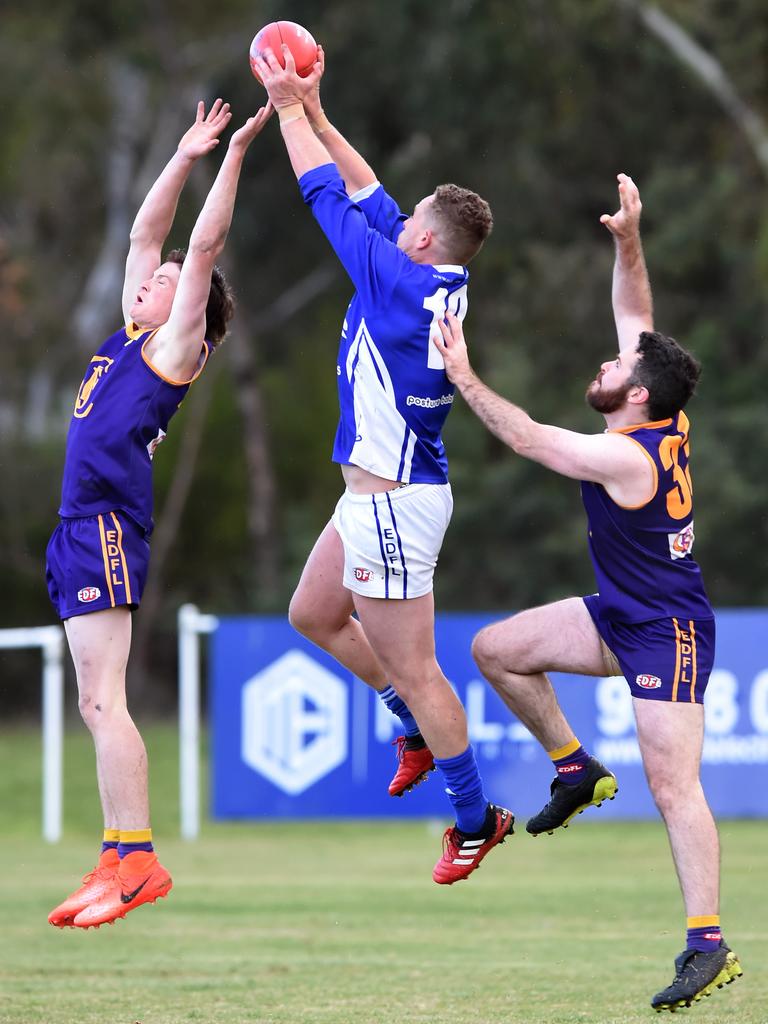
[(169, 380), (133, 331), (647, 454), (641, 426)]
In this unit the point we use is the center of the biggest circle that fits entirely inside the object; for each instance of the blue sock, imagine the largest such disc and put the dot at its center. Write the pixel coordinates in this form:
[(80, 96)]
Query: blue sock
[(703, 936), (398, 707), (465, 790)]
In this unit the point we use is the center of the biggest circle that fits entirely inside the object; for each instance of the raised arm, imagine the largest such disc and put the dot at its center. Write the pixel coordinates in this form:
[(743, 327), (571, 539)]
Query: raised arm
[(631, 291), (612, 460), (155, 217), (355, 171), (176, 348), (287, 93)]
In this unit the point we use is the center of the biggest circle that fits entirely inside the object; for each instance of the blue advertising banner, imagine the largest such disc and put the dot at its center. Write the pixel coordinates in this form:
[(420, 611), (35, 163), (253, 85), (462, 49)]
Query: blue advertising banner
[(295, 735)]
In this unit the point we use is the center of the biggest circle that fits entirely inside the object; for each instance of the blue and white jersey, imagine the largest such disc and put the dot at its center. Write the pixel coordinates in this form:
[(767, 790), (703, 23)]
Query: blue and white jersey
[(394, 394)]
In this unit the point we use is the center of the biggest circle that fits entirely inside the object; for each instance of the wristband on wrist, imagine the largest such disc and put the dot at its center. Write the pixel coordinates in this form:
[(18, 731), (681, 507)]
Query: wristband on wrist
[(321, 124), (292, 112)]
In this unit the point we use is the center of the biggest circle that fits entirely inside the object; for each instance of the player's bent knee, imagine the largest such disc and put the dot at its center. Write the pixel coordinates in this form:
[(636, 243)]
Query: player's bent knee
[(495, 657), (97, 710), (484, 649)]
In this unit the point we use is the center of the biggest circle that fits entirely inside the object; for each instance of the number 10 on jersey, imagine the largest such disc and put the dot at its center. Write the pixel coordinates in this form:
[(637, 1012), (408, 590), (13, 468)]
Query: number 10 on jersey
[(438, 304)]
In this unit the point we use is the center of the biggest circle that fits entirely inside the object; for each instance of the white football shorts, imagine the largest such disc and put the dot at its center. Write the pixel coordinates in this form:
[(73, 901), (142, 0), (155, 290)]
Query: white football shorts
[(392, 539)]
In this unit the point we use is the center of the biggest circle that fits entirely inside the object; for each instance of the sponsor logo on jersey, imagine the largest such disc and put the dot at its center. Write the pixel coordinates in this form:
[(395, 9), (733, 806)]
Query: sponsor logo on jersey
[(363, 575), (429, 403), (88, 594), (564, 769), (648, 682), (681, 544)]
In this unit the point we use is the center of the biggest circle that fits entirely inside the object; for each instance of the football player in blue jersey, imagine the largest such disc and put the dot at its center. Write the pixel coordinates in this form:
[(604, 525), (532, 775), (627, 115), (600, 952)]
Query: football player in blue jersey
[(650, 621), (377, 555), (176, 311)]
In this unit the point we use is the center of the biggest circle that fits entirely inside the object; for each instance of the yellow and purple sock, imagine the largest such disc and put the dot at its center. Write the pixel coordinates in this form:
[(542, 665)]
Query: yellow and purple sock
[(703, 933), (110, 839), (570, 762), (132, 842)]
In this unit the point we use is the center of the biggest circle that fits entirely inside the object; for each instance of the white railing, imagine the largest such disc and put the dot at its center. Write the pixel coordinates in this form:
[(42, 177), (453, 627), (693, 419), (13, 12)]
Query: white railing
[(51, 640), (192, 624)]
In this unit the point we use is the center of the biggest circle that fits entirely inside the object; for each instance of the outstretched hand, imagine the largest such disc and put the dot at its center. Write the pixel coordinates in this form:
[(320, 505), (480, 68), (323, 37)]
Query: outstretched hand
[(626, 221), (453, 348), (204, 134), (283, 85), (245, 135)]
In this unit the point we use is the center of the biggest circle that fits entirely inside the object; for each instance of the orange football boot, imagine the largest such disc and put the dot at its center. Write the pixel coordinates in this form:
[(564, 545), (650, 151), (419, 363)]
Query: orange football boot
[(95, 884), (140, 878)]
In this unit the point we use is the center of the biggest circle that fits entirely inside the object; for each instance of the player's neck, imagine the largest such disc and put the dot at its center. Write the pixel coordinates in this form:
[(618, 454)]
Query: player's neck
[(627, 416)]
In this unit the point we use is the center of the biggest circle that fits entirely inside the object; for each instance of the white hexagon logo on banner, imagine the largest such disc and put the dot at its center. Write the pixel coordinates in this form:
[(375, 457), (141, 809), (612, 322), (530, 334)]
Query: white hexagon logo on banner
[(294, 722)]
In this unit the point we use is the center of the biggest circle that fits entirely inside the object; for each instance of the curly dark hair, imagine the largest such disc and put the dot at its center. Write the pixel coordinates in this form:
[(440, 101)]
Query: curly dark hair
[(466, 220), (669, 373), (221, 300)]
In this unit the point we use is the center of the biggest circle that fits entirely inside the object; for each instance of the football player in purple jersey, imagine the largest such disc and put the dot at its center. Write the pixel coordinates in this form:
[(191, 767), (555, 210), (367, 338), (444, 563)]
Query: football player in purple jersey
[(377, 555), (650, 621), (175, 311)]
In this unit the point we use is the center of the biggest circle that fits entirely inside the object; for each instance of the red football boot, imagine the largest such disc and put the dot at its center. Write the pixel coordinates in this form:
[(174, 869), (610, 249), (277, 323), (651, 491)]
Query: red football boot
[(95, 884), (141, 878), (462, 855), (414, 766)]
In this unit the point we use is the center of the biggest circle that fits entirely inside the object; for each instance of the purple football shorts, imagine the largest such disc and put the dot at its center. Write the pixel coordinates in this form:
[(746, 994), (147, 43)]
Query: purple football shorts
[(96, 562), (663, 659)]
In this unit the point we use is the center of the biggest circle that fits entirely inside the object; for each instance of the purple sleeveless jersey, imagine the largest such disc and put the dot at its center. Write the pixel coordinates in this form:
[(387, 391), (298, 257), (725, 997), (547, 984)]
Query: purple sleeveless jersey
[(121, 414), (642, 556)]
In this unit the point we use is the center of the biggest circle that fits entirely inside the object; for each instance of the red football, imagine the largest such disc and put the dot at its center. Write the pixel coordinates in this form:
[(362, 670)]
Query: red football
[(299, 42)]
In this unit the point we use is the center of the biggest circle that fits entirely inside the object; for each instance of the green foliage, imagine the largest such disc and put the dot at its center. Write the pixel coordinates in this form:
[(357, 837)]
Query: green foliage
[(535, 106)]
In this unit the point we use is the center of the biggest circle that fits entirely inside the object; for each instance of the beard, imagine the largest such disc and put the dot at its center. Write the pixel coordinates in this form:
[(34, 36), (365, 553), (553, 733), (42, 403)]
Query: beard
[(606, 401)]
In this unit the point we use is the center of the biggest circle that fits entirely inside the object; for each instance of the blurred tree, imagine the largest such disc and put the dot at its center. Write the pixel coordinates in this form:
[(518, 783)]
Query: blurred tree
[(535, 106)]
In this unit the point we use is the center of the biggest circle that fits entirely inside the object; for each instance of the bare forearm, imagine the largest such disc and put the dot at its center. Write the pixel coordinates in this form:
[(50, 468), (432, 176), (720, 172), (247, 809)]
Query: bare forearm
[(354, 169), (155, 217), (631, 291), (305, 150), (508, 422), (212, 225)]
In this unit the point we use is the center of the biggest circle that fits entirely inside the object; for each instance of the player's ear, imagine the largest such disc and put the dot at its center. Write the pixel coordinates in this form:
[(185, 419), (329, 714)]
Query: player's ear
[(425, 238), (639, 395)]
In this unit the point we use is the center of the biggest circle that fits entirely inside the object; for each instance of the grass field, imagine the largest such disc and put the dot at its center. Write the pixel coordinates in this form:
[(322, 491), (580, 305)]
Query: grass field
[(340, 923)]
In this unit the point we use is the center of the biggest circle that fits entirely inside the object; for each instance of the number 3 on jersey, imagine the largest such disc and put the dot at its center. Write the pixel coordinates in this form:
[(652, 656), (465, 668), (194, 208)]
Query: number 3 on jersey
[(438, 304)]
